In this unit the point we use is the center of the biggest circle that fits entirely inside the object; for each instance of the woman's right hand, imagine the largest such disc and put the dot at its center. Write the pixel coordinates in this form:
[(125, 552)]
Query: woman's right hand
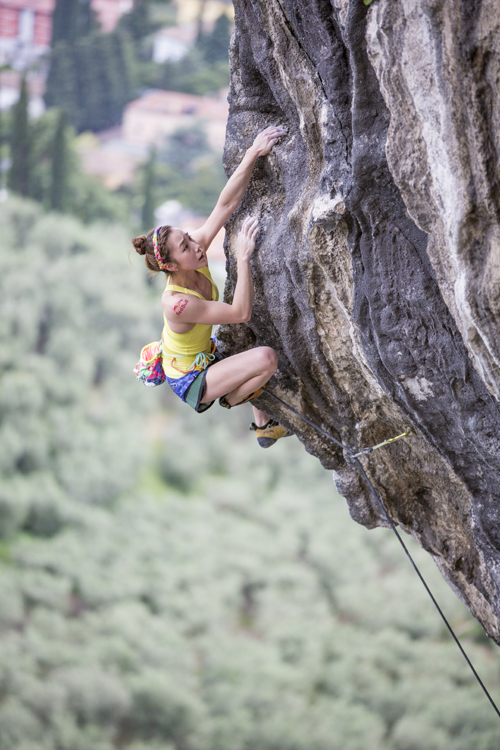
[(266, 139), (246, 238)]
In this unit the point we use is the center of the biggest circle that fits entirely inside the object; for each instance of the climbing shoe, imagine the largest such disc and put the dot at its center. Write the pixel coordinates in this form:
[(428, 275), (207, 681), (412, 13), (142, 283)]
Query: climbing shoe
[(223, 402), (269, 433)]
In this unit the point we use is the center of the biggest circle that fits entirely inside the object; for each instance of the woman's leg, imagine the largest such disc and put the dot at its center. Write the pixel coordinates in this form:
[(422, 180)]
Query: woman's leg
[(240, 375), (260, 417)]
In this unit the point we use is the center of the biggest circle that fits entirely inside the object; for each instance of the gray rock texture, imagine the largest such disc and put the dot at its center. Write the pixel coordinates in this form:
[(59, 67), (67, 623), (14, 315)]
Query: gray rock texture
[(378, 263)]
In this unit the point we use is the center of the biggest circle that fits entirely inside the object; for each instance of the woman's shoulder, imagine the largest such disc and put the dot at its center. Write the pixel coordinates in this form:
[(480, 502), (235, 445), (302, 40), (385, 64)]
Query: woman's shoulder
[(174, 302)]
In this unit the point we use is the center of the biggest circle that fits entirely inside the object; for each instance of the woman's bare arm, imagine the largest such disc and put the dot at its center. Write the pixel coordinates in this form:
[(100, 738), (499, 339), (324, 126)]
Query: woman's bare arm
[(237, 184)]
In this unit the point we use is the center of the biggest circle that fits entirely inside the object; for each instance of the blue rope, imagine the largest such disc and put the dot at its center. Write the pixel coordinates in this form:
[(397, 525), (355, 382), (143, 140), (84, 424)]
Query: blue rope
[(202, 360), (393, 527)]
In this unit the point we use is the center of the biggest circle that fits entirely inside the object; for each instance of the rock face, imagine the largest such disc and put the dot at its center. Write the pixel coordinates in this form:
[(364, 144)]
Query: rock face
[(378, 266)]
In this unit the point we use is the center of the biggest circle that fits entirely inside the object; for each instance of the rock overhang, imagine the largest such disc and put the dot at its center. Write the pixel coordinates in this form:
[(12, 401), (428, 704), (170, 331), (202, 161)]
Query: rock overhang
[(376, 286)]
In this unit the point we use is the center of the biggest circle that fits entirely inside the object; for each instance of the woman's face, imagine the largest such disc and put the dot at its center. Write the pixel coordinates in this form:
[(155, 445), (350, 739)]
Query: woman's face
[(185, 253)]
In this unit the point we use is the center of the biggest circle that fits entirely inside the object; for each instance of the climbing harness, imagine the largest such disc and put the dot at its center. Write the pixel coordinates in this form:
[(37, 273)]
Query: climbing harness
[(355, 458)]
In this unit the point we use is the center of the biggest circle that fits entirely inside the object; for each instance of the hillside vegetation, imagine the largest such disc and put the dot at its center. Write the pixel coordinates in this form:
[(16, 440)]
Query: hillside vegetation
[(166, 584)]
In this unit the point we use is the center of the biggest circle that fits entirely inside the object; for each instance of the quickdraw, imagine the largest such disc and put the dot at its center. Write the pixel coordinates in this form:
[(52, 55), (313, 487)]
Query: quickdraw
[(407, 433)]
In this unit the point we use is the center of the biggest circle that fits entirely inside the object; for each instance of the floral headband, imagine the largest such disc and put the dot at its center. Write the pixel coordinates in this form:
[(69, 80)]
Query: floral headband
[(161, 264)]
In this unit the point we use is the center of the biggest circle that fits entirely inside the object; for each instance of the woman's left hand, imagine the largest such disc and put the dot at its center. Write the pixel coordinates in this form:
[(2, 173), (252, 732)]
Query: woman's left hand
[(246, 238), (266, 139)]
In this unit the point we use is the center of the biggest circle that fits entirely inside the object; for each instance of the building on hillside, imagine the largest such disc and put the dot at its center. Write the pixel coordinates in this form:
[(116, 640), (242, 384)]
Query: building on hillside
[(25, 30), (157, 114), (26, 26), (109, 159)]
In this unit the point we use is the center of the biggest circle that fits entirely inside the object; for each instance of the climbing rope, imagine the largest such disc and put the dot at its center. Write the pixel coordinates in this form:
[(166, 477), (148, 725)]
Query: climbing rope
[(355, 459)]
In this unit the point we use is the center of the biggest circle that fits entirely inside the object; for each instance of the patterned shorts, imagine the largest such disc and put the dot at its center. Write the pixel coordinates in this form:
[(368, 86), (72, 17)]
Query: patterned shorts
[(191, 387)]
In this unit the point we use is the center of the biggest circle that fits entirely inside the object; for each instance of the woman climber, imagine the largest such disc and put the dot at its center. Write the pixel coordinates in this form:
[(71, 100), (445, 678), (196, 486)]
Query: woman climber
[(193, 368)]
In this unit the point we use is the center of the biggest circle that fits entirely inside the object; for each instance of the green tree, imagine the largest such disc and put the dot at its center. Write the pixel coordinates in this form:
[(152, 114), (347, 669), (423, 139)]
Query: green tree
[(92, 79), (84, 195), (214, 45), (51, 382), (149, 204), (192, 74), (62, 88), (65, 21), (184, 147), (138, 23), (92, 113), (72, 19), (115, 55), (201, 190), (124, 57), (189, 171), (60, 169), (19, 178)]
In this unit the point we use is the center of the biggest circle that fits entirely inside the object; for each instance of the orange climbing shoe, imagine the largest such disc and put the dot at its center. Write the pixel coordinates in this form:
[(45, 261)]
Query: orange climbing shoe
[(269, 433), (223, 402)]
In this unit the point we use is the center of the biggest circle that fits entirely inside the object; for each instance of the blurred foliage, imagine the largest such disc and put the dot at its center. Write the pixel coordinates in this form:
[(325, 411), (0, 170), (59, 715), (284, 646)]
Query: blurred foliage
[(203, 70), (51, 171), (92, 76), (139, 22), (19, 174), (187, 590), (214, 45), (148, 191), (192, 74), (92, 79), (66, 332), (72, 19), (185, 169)]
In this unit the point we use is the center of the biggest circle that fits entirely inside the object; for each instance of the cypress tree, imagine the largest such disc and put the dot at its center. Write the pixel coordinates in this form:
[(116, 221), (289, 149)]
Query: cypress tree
[(111, 80), (104, 80), (87, 20), (91, 74), (20, 148), (125, 62), (138, 22), (148, 206), (220, 38), (65, 21), (201, 13), (72, 19), (91, 84), (62, 90), (4, 139), (59, 173), (214, 46)]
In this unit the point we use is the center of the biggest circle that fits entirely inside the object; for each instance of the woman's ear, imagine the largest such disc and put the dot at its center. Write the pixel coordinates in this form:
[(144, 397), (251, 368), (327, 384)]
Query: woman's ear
[(171, 267)]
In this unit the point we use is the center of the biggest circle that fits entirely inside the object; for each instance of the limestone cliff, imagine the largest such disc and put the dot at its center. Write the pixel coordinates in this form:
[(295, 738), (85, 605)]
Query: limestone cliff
[(378, 263)]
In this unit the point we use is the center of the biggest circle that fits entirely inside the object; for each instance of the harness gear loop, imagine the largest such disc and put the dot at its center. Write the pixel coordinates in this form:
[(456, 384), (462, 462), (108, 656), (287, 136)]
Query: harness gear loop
[(200, 362)]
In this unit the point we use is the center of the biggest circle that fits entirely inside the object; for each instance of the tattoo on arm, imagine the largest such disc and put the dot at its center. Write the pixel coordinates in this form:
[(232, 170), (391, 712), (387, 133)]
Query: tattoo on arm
[(180, 306)]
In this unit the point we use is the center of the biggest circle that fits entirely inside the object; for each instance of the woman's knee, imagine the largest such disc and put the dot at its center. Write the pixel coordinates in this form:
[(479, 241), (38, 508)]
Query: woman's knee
[(268, 359)]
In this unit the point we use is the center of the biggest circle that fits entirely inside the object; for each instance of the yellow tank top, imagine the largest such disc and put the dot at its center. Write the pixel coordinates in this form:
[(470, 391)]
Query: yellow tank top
[(180, 349)]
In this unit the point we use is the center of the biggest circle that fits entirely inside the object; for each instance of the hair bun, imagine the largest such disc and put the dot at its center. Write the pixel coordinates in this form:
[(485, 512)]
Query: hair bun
[(140, 244)]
